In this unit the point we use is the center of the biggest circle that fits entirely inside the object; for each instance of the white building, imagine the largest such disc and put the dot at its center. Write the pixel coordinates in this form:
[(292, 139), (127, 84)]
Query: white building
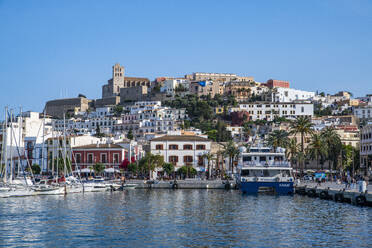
[(268, 110), (181, 150), (366, 147), (363, 112), (290, 95), (170, 85)]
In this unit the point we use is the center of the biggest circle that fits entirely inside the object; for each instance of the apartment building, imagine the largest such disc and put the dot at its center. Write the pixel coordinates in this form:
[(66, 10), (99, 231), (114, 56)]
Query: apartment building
[(269, 110), (182, 150), (366, 148)]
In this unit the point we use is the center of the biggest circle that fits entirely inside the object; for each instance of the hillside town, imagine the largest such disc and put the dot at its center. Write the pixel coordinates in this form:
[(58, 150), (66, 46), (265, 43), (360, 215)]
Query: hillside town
[(194, 126)]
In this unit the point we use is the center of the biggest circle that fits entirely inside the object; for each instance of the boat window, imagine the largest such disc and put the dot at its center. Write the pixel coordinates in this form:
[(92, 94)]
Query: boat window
[(285, 173), (247, 158), (254, 150), (266, 173), (262, 158), (245, 173)]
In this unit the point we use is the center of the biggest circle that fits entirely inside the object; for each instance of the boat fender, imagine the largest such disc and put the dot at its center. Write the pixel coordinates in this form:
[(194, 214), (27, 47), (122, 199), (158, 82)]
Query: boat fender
[(311, 193), (323, 195), (360, 200), (175, 185), (227, 186), (339, 197)]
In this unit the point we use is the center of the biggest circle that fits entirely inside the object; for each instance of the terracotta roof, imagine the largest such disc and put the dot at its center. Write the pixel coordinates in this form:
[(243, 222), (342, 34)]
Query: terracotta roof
[(99, 146), (180, 138)]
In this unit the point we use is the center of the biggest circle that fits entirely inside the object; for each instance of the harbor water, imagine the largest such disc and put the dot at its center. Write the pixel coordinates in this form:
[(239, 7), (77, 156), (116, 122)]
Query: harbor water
[(181, 218)]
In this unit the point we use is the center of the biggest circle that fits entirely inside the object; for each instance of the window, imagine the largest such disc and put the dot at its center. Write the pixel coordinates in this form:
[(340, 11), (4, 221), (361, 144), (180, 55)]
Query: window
[(90, 158), (187, 147), (173, 147), (187, 159), (302, 109), (103, 158), (200, 147), (78, 157), (159, 147), (116, 158), (173, 159)]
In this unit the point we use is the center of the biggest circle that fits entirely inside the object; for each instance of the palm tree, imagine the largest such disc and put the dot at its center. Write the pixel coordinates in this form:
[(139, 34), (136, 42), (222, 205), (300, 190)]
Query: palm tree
[(231, 151), (292, 151), (302, 125), (209, 157), (333, 145), (278, 138), (317, 148)]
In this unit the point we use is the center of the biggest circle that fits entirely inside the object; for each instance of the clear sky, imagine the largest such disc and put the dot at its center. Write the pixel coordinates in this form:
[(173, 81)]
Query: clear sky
[(51, 49)]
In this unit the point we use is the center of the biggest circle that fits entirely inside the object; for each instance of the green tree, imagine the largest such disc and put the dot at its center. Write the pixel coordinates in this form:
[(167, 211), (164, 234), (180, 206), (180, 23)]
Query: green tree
[(130, 134), (317, 148), (347, 157), (98, 132), (303, 126), (168, 168), (208, 156), (118, 110), (35, 169), (187, 171), (292, 151), (133, 168), (333, 145), (150, 162), (232, 152), (98, 168), (278, 138)]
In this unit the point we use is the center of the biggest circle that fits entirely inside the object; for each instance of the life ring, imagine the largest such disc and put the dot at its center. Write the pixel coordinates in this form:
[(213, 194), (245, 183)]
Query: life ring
[(339, 197), (175, 185), (323, 195), (360, 200), (311, 193)]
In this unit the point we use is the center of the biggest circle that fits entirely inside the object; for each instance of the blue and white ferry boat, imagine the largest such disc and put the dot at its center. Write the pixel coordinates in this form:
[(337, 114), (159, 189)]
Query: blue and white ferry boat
[(264, 170)]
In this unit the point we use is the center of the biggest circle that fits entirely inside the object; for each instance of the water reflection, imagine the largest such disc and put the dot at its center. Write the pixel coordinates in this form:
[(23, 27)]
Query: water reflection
[(181, 218)]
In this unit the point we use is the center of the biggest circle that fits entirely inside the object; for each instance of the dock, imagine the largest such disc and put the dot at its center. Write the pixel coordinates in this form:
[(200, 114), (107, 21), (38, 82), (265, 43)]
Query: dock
[(335, 192)]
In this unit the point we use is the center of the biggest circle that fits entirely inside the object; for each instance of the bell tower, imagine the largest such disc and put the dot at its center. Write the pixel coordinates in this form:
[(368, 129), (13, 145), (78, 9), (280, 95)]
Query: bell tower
[(117, 78)]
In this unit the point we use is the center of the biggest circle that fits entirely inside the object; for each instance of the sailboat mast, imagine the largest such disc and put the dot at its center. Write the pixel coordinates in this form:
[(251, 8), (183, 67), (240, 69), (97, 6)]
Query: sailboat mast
[(42, 146), (20, 128), (11, 146), (6, 146), (64, 145), (53, 149)]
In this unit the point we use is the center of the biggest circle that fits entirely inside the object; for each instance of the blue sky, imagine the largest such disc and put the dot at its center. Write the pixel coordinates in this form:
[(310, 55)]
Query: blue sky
[(51, 48)]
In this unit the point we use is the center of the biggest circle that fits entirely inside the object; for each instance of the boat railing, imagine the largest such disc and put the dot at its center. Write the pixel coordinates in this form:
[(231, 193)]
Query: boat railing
[(272, 164)]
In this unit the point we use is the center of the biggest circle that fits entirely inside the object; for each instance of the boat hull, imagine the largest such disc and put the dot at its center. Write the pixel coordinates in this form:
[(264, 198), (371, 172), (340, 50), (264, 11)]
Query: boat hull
[(280, 188)]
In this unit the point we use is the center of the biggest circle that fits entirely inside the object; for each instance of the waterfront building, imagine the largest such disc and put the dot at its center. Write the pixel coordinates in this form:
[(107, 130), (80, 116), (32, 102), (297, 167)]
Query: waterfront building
[(182, 150), (366, 148), (268, 110), (110, 155)]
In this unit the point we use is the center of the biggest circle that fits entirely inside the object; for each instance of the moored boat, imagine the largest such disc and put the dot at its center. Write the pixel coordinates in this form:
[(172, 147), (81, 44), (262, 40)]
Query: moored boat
[(263, 170)]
